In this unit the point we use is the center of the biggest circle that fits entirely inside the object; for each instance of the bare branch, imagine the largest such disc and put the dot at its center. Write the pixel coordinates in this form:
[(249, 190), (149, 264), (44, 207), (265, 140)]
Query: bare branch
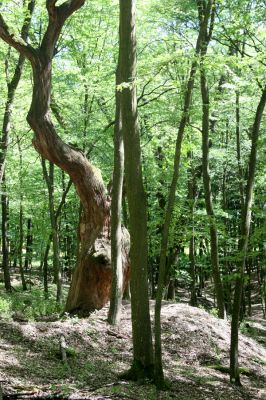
[(156, 97), (63, 199)]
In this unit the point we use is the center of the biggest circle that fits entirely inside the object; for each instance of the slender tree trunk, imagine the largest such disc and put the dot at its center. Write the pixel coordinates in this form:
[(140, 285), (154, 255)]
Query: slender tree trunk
[(238, 152), (243, 241), (28, 255), (141, 327), (204, 14), (5, 245), (12, 87), (20, 247), (45, 265), (192, 194), (218, 285), (48, 245), (114, 314), (49, 179)]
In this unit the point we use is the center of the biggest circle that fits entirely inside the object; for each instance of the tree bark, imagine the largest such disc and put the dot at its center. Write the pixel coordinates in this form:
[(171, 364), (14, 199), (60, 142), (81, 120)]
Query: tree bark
[(142, 338), (114, 314), (243, 241)]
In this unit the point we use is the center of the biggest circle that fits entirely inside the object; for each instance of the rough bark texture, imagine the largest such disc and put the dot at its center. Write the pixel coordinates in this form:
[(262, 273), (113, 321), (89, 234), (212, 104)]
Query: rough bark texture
[(142, 337), (204, 13), (243, 242), (91, 281)]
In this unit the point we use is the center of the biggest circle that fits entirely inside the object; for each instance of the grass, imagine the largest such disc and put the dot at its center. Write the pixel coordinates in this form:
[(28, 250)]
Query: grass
[(31, 304), (226, 370)]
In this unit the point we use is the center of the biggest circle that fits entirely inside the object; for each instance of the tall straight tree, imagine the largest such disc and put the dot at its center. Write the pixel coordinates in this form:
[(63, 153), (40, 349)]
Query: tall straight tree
[(141, 327), (218, 285), (114, 314), (206, 13), (243, 241)]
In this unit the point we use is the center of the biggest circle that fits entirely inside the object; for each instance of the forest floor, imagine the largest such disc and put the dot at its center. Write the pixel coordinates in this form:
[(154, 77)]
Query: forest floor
[(193, 342)]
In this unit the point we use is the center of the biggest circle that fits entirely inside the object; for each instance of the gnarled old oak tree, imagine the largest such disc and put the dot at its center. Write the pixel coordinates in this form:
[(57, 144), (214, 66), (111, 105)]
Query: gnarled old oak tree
[(92, 278)]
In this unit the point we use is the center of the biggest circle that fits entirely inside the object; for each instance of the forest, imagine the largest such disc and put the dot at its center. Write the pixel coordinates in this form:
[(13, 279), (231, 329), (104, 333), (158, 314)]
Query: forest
[(133, 200)]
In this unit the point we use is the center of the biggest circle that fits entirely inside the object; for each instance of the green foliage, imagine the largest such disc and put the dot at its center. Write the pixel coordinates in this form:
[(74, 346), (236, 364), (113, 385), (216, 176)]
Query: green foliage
[(31, 304), (247, 329), (5, 307)]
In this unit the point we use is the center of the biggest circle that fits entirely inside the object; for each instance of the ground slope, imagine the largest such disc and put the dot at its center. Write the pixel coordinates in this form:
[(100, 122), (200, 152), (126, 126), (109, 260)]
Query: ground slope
[(193, 340)]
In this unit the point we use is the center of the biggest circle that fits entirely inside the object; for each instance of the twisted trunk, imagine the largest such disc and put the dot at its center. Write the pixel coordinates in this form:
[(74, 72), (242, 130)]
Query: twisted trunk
[(92, 278)]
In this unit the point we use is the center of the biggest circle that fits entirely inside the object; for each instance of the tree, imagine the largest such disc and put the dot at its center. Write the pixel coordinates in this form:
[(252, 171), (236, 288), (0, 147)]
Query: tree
[(205, 11), (243, 241), (142, 365), (206, 174), (116, 211), (11, 90), (92, 277)]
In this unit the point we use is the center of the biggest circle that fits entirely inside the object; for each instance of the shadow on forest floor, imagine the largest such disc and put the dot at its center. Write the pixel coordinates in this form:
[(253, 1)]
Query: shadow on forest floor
[(193, 340)]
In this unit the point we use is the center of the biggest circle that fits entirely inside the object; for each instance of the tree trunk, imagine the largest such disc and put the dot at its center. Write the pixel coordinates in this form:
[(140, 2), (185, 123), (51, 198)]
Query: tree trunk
[(20, 246), (45, 265), (204, 14), (49, 179), (91, 281), (218, 285), (114, 314), (28, 255), (12, 87), (243, 241), (142, 338), (192, 198), (5, 245)]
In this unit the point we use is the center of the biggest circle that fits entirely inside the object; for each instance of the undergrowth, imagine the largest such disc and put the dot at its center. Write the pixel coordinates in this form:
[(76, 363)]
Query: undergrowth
[(31, 304)]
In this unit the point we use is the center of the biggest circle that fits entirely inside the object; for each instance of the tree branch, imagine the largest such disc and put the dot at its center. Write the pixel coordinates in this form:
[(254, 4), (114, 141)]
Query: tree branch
[(63, 199), (69, 7), (50, 6), (17, 42)]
